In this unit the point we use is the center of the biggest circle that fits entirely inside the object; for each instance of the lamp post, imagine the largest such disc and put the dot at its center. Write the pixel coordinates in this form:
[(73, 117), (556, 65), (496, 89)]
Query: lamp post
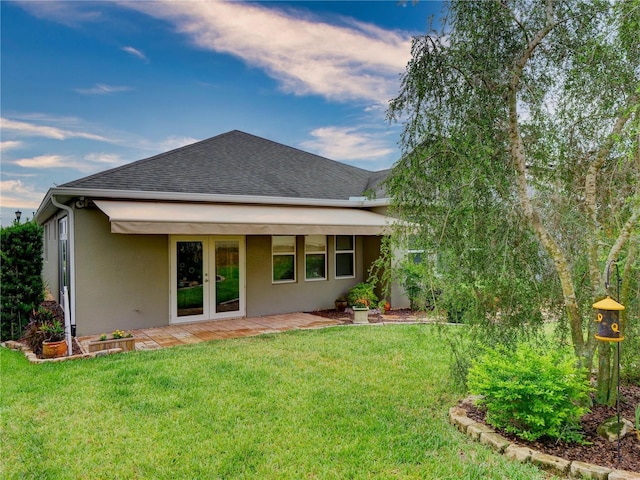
[(18, 215)]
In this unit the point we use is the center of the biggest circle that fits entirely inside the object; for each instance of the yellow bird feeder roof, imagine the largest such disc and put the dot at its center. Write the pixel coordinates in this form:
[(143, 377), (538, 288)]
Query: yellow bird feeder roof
[(608, 304)]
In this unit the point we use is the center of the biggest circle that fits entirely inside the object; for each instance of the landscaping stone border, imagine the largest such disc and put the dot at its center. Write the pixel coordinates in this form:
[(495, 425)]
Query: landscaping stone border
[(556, 465), (13, 345)]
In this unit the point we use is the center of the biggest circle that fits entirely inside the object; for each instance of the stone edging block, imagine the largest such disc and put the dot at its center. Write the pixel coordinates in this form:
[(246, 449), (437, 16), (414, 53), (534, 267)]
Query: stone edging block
[(559, 466), (34, 359), (551, 463), (590, 471)]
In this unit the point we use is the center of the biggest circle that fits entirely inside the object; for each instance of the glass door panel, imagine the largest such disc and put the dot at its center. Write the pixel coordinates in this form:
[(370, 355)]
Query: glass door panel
[(190, 278), (227, 265)]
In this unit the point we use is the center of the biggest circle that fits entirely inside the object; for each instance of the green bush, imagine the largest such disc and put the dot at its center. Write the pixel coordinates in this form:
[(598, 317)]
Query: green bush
[(362, 293), (531, 393), (21, 277), (418, 283)]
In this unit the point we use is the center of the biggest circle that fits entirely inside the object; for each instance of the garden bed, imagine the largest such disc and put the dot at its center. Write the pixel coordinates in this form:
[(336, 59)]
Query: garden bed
[(598, 451)]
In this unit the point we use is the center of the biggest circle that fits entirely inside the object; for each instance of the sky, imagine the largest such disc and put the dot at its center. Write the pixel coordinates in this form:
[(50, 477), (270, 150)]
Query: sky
[(87, 86)]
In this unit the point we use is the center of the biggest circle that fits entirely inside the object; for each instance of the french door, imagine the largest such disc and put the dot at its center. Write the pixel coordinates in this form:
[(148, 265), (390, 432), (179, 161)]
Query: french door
[(207, 276)]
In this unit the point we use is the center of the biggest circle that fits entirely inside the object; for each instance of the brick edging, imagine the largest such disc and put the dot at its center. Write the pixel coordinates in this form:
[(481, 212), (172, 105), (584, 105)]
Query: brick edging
[(13, 345), (557, 465)]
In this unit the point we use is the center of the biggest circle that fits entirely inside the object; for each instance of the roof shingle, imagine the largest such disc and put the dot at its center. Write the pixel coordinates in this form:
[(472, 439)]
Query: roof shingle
[(237, 163)]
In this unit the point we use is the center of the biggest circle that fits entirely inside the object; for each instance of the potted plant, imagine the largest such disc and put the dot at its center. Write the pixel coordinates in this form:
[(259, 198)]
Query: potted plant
[(360, 297), (54, 344), (360, 310), (341, 303)]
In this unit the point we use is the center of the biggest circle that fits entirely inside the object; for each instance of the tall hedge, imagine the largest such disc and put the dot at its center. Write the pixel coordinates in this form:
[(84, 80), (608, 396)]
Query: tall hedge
[(22, 286)]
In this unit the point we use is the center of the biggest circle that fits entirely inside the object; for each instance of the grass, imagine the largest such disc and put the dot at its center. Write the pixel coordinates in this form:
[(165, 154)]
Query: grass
[(339, 403)]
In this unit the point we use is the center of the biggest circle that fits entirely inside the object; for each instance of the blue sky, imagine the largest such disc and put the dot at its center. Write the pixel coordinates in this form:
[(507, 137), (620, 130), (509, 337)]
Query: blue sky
[(88, 86)]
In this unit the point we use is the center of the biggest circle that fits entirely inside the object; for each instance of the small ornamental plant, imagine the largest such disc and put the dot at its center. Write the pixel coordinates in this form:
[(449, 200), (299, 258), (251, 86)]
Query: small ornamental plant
[(531, 394), (115, 335), (362, 295), (360, 303), (53, 331)]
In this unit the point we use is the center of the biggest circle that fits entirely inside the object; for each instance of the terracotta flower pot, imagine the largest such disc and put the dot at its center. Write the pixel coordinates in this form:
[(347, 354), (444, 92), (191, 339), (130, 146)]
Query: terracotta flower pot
[(341, 305), (54, 349)]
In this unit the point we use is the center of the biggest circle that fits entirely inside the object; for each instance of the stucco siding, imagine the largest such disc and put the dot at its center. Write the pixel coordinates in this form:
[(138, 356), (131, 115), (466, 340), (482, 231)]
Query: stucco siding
[(266, 298), (122, 280)]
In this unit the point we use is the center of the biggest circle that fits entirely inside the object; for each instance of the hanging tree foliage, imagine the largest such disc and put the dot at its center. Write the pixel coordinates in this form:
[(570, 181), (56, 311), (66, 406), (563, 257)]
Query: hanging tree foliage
[(521, 152)]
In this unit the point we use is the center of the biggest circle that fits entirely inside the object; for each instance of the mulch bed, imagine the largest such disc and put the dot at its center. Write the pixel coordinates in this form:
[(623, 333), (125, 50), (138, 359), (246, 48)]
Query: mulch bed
[(598, 451), (396, 315)]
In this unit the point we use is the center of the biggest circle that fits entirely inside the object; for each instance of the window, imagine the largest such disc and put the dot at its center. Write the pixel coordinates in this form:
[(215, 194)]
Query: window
[(315, 257), (283, 254), (46, 241), (345, 256), (415, 252), (63, 260)]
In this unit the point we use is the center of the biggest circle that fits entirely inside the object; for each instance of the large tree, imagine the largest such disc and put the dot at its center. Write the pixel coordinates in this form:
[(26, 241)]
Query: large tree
[(522, 121)]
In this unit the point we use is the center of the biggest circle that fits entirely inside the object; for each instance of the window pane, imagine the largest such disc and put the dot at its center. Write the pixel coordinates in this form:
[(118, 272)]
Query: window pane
[(283, 243), (344, 242), (283, 268), (189, 278), (227, 275), (315, 266), (344, 265), (315, 243)]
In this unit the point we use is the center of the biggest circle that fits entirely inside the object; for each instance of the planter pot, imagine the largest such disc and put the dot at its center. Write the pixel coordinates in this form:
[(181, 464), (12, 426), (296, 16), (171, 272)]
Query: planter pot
[(341, 306), (360, 315), (54, 349), (126, 344)]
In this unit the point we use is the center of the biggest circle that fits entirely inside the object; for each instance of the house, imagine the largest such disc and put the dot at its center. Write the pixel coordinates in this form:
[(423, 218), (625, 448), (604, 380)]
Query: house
[(231, 226)]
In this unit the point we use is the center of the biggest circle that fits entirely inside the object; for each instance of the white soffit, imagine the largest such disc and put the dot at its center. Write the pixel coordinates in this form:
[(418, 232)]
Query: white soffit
[(130, 217)]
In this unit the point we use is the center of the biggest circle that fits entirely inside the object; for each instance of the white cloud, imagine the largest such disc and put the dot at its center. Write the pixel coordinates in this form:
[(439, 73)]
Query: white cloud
[(9, 145), (356, 61), (347, 143), (43, 161), (90, 164), (66, 13), (16, 194), (102, 89), (173, 142), (135, 52), (111, 159), (34, 130)]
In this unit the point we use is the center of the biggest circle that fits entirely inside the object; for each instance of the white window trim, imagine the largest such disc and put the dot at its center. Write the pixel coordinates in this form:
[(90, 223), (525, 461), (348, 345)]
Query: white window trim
[(273, 254), (311, 252), (335, 257)]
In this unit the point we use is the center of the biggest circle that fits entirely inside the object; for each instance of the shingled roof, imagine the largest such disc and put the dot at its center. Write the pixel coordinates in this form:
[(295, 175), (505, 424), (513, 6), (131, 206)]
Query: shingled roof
[(237, 163)]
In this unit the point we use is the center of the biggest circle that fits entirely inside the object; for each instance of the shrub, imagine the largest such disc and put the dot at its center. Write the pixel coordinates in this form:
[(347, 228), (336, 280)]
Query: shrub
[(362, 294), (43, 323), (531, 393), (418, 283), (21, 267)]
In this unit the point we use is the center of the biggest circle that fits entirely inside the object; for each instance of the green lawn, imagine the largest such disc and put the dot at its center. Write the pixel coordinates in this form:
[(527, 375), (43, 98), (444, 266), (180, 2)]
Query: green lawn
[(338, 403)]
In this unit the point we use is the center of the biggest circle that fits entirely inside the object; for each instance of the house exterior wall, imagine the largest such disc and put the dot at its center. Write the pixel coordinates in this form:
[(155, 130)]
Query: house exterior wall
[(266, 298), (122, 281)]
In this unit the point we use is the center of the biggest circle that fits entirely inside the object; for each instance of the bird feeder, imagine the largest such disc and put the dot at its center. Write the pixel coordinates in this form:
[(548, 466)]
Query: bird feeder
[(607, 316)]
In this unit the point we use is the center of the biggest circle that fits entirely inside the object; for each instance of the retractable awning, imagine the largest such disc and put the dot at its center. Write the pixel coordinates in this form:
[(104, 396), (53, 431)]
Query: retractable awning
[(134, 217)]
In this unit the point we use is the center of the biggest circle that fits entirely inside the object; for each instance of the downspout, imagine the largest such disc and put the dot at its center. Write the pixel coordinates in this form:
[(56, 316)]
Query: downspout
[(72, 263)]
